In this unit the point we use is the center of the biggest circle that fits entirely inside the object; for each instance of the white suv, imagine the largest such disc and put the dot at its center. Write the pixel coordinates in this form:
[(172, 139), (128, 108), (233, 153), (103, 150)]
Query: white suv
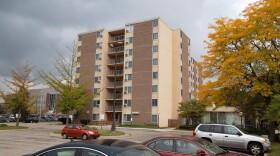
[(229, 136)]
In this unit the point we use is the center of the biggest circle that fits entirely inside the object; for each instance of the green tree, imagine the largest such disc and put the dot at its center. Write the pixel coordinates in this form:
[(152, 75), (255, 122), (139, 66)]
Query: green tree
[(19, 100), (192, 109), (73, 97), (243, 57)]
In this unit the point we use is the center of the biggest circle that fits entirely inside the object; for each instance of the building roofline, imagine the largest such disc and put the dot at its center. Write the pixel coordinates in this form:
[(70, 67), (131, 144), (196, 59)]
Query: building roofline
[(140, 21), (92, 31)]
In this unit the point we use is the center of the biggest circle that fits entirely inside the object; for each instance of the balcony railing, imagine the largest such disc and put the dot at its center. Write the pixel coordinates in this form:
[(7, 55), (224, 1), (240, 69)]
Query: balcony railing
[(111, 96), (118, 72), (116, 49), (118, 84), (117, 61), (116, 38), (110, 108)]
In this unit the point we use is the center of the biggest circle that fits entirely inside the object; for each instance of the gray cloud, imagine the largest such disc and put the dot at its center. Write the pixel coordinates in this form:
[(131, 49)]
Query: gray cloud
[(35, 30)]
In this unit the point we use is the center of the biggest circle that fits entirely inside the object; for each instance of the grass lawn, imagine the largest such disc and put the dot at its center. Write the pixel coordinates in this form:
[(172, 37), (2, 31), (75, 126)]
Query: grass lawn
[(6, 127), (275, 149), (102, 132)]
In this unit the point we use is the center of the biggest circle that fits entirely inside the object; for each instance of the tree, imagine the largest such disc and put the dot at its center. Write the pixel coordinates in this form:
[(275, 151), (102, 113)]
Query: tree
[(19, 101), (72, 97), (243, 57), (192, 109)]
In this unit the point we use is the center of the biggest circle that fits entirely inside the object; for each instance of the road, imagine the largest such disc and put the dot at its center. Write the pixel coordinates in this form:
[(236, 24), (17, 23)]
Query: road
[(40, 135)]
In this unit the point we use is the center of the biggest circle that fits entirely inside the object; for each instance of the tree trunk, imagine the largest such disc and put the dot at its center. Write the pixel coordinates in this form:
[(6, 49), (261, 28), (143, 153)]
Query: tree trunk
[(17, 123), (271, 132), (67, 117)]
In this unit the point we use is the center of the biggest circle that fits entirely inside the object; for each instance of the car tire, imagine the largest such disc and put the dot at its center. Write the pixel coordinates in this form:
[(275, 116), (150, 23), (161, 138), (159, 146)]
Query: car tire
[(84, 137), (255, 148), (64, 136)]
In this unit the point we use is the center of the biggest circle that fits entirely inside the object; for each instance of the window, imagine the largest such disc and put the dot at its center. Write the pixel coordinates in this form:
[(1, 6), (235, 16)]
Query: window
[(155, 61), (230, 130), (98, 56), (155, 23), (128, 64), (96, 91), (95, 117), (155, 48), (162, 145), (154, 88), (126, 117), (215, 129), (96, 103), (88, 152), (128, 52), (79, 48), (77, 81), (204, 128), (78, 70), (78, 59), (129, 40), (155, 75), (154, 102), (155, 36), (60, 152), (127, 103), (99, 45), (79, 38), (128, 77), (127, 90), (129, 28), (97, 79), (185, 147), (99, 34), (98, 68), (154, 119)]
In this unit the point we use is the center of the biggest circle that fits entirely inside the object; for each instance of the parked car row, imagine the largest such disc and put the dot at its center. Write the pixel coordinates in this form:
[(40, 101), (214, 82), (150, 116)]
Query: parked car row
[(4, 119), (199, 145)]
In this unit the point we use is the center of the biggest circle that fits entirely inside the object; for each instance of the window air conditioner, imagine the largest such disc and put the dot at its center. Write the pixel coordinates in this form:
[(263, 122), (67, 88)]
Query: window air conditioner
[(99, 70), (125, 92)]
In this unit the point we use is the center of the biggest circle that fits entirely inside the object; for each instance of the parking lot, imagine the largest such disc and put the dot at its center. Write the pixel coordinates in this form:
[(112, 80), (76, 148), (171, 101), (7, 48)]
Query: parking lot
[(40, 136)]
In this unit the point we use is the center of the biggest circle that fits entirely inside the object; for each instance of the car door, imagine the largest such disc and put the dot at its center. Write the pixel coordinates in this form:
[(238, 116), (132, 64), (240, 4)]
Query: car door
[(70, 131), (164, 146), (216, 135), (186, 148), (232, 139)]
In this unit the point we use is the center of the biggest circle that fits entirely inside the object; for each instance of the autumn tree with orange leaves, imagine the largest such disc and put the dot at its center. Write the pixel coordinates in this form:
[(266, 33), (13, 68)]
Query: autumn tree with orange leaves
[(242, 61)]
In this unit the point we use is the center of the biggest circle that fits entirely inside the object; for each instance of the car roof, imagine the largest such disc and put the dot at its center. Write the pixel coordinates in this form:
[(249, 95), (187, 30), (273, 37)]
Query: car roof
[(107, 146), (171, 137)]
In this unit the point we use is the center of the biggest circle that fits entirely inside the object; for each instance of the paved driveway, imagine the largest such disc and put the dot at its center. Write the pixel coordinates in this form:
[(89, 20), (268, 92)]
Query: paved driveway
[(39, 136)]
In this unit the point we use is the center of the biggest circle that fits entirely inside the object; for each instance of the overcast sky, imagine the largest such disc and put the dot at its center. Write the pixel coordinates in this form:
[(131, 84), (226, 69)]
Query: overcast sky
[(37, 30)]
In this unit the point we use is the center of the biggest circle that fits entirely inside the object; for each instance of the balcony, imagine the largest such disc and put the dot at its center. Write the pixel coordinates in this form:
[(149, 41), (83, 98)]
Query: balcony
[(119, 84), (116, 39), (110, 108), (118, 62), (118, 96), (116, 50), (111, 73)]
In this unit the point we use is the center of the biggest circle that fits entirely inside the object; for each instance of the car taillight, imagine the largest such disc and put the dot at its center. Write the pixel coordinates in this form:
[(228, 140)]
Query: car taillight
[(193, 133)]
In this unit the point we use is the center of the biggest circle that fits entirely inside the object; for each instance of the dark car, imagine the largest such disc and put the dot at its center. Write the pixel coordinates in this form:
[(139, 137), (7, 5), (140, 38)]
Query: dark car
[(79, 131), (105, 147), (31, 120), (187, 146)]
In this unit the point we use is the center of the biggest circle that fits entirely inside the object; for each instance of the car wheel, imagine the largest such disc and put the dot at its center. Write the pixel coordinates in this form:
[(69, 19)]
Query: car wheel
[(84, 137), (255, 148), (64, 136)]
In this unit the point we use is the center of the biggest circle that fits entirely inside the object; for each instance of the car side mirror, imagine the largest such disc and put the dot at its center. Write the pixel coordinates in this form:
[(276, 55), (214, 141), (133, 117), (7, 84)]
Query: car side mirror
[(239, 133), (200, 153)]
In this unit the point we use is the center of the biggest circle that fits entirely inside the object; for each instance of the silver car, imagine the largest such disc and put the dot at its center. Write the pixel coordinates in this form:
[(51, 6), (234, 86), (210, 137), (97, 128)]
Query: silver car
[(229, 136)]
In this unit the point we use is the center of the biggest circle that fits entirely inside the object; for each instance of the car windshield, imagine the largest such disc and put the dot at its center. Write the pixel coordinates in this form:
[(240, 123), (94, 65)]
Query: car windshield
[(86, 127), (210, 147), (137, 151)]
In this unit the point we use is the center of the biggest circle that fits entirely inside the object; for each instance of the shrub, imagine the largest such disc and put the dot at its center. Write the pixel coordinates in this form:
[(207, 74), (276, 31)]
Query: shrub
[(84, 121), (3, 125), (63, 120), (187, 127)]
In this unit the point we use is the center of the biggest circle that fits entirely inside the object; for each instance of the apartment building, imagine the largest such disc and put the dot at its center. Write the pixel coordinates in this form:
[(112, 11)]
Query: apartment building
[(144, 69)]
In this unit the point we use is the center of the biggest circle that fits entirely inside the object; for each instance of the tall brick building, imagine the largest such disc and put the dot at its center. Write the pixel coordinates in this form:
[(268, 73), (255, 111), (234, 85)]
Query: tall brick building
[(145, 68)]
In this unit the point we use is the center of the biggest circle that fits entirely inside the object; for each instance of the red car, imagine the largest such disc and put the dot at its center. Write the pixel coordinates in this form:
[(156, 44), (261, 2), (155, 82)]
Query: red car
[(79, 131), (187, 146)]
